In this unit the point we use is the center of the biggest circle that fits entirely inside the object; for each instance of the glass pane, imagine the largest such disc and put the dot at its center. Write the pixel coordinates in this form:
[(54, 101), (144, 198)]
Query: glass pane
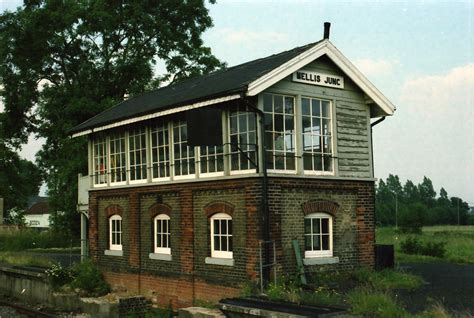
[(279, 161), (325, 242), (217, 245), (289, 126), (325, 226), (233, 124), (224, 243), (316, 143), (306, 124), (278, 122), (307, 142), (307, 243), (307, 161), (242, 122), (318, 162), (278, 103), (279, 141), (316, 243), (159, 241), (327, 163), (230, 244), (216, 227), (316, 110), (290, 161), (305, 107), (267, 102), (326, 126), (268, 122), (327, 144), (251, 120), (288, 105), (326, 109), (223, 227), (316, 228), (229, 225)]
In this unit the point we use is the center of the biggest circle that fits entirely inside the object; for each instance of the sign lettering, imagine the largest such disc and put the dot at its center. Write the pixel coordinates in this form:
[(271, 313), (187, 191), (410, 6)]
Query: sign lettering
[(320, 79)]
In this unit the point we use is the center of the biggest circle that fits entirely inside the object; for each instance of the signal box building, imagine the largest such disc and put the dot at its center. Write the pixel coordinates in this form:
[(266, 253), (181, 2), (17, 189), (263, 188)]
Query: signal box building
[(193, 183)]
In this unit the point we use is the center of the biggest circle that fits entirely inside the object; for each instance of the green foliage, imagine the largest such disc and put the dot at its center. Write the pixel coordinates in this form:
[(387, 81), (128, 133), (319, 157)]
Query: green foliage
[(58, 276), (19, 178), (388, 279), (369, 303), (413, 245), (24, 259), (416, 205), (62, 62), (88, 279), (30, 239), (458, 240), (16, 216)]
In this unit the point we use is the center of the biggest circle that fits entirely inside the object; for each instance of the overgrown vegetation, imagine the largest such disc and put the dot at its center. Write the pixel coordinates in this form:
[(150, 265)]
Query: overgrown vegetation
[(31, 239), (453, 244), (22, 259), (84, 278)]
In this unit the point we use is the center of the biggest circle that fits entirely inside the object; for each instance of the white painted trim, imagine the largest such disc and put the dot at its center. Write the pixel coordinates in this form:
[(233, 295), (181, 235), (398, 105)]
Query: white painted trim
[(219, 261), (320, 260), (113, 252), (160, 256), (159, 114), (324, 47), (239, 172)]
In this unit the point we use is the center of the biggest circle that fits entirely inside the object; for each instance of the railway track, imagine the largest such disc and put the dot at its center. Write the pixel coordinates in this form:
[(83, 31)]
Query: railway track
[(26, 311)]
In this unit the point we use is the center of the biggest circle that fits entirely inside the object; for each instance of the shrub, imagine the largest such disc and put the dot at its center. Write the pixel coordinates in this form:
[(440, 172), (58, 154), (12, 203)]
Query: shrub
[(413, 245), (88, 279), (58, 276)]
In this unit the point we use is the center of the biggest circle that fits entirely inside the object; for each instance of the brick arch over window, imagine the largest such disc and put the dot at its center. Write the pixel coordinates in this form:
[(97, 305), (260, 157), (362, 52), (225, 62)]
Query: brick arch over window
[(219, 207), (316, 206), (160, 208), (113, 209)]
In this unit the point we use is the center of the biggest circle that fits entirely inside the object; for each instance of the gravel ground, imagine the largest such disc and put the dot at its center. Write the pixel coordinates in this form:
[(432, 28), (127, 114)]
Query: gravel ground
[(7, 312), (451, 285)]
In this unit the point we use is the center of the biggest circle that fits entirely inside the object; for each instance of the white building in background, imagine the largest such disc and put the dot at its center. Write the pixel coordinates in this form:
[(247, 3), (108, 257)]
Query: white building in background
[(37, 215)]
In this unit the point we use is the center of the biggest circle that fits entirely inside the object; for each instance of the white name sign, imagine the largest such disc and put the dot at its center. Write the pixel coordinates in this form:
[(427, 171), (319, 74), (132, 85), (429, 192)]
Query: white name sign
[(316, 78)]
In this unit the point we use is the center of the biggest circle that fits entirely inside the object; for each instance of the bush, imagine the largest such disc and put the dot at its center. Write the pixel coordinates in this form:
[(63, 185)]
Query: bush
[(58, 276), (88, 279), (368, 303), (412, 245)]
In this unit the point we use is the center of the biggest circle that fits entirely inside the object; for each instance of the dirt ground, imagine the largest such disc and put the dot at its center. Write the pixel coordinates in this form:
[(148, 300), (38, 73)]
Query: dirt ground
[(449, 284)]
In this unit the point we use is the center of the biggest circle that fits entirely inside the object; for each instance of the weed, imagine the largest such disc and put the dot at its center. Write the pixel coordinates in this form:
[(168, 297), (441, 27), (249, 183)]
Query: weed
[(369, 303), (88, 279)]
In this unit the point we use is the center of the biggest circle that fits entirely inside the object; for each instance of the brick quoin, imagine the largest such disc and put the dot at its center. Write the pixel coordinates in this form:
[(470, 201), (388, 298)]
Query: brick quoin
[(187, 277)]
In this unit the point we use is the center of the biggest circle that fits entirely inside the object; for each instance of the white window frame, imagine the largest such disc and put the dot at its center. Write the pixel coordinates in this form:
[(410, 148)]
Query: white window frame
[(115, 137), (140, 131), (331, 131), (157, 231), (102, 142), (273, 151), (229, 254), (319, 253), (247, 133), (115, 218), (214, 156), (163, 126)]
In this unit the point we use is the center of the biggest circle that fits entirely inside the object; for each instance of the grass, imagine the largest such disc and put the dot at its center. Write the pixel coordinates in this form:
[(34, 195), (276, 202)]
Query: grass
[(459, 243), (372, 303), (22, 259), (25, 239)]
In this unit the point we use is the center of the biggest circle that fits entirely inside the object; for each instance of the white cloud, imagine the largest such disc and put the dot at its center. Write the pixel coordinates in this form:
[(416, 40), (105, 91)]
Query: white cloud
[(237, 37), (372, 68), (447, 95)]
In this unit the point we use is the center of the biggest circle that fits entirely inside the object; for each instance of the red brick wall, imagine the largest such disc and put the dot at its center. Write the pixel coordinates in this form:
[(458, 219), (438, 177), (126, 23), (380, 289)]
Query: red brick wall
[(187, 277)]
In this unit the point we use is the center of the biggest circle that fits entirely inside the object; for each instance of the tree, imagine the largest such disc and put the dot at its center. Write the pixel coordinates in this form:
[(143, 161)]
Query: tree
[(63, 62), (19, 179), (427, 192)]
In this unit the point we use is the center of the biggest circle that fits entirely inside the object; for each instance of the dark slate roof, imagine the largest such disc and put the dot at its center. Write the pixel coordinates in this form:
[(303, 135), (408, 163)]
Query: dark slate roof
[(217, 84), (38, 208)]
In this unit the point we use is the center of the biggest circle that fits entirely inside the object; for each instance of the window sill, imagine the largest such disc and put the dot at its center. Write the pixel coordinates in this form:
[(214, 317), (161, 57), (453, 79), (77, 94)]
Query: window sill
[(320, 260), (113, 253), (220, 261), (160, 256)]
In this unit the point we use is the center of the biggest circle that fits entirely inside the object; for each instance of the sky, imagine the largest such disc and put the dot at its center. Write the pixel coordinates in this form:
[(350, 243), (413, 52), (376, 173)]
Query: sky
[(419, 54)]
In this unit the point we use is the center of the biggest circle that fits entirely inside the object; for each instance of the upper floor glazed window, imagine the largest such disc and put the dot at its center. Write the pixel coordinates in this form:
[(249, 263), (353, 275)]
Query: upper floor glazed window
[(280, 134), (160, 150), (317, 135), (243, 139), (137, 154), (99, 161), (118, 165), (184, 161)]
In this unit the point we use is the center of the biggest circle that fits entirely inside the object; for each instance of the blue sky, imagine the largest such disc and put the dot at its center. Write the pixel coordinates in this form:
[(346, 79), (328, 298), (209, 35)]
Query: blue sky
[(420, 54)]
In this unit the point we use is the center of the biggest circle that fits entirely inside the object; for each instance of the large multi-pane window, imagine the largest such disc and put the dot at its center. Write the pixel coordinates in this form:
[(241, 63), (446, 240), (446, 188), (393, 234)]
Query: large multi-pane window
[(317, 136), (221, 236), (212, 159), (279, 131), (160, 150), (137, 154), (183, 154), (99, 166), (162, 234), (118, 166), (318, 235), (115, 233), (242, 135)]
